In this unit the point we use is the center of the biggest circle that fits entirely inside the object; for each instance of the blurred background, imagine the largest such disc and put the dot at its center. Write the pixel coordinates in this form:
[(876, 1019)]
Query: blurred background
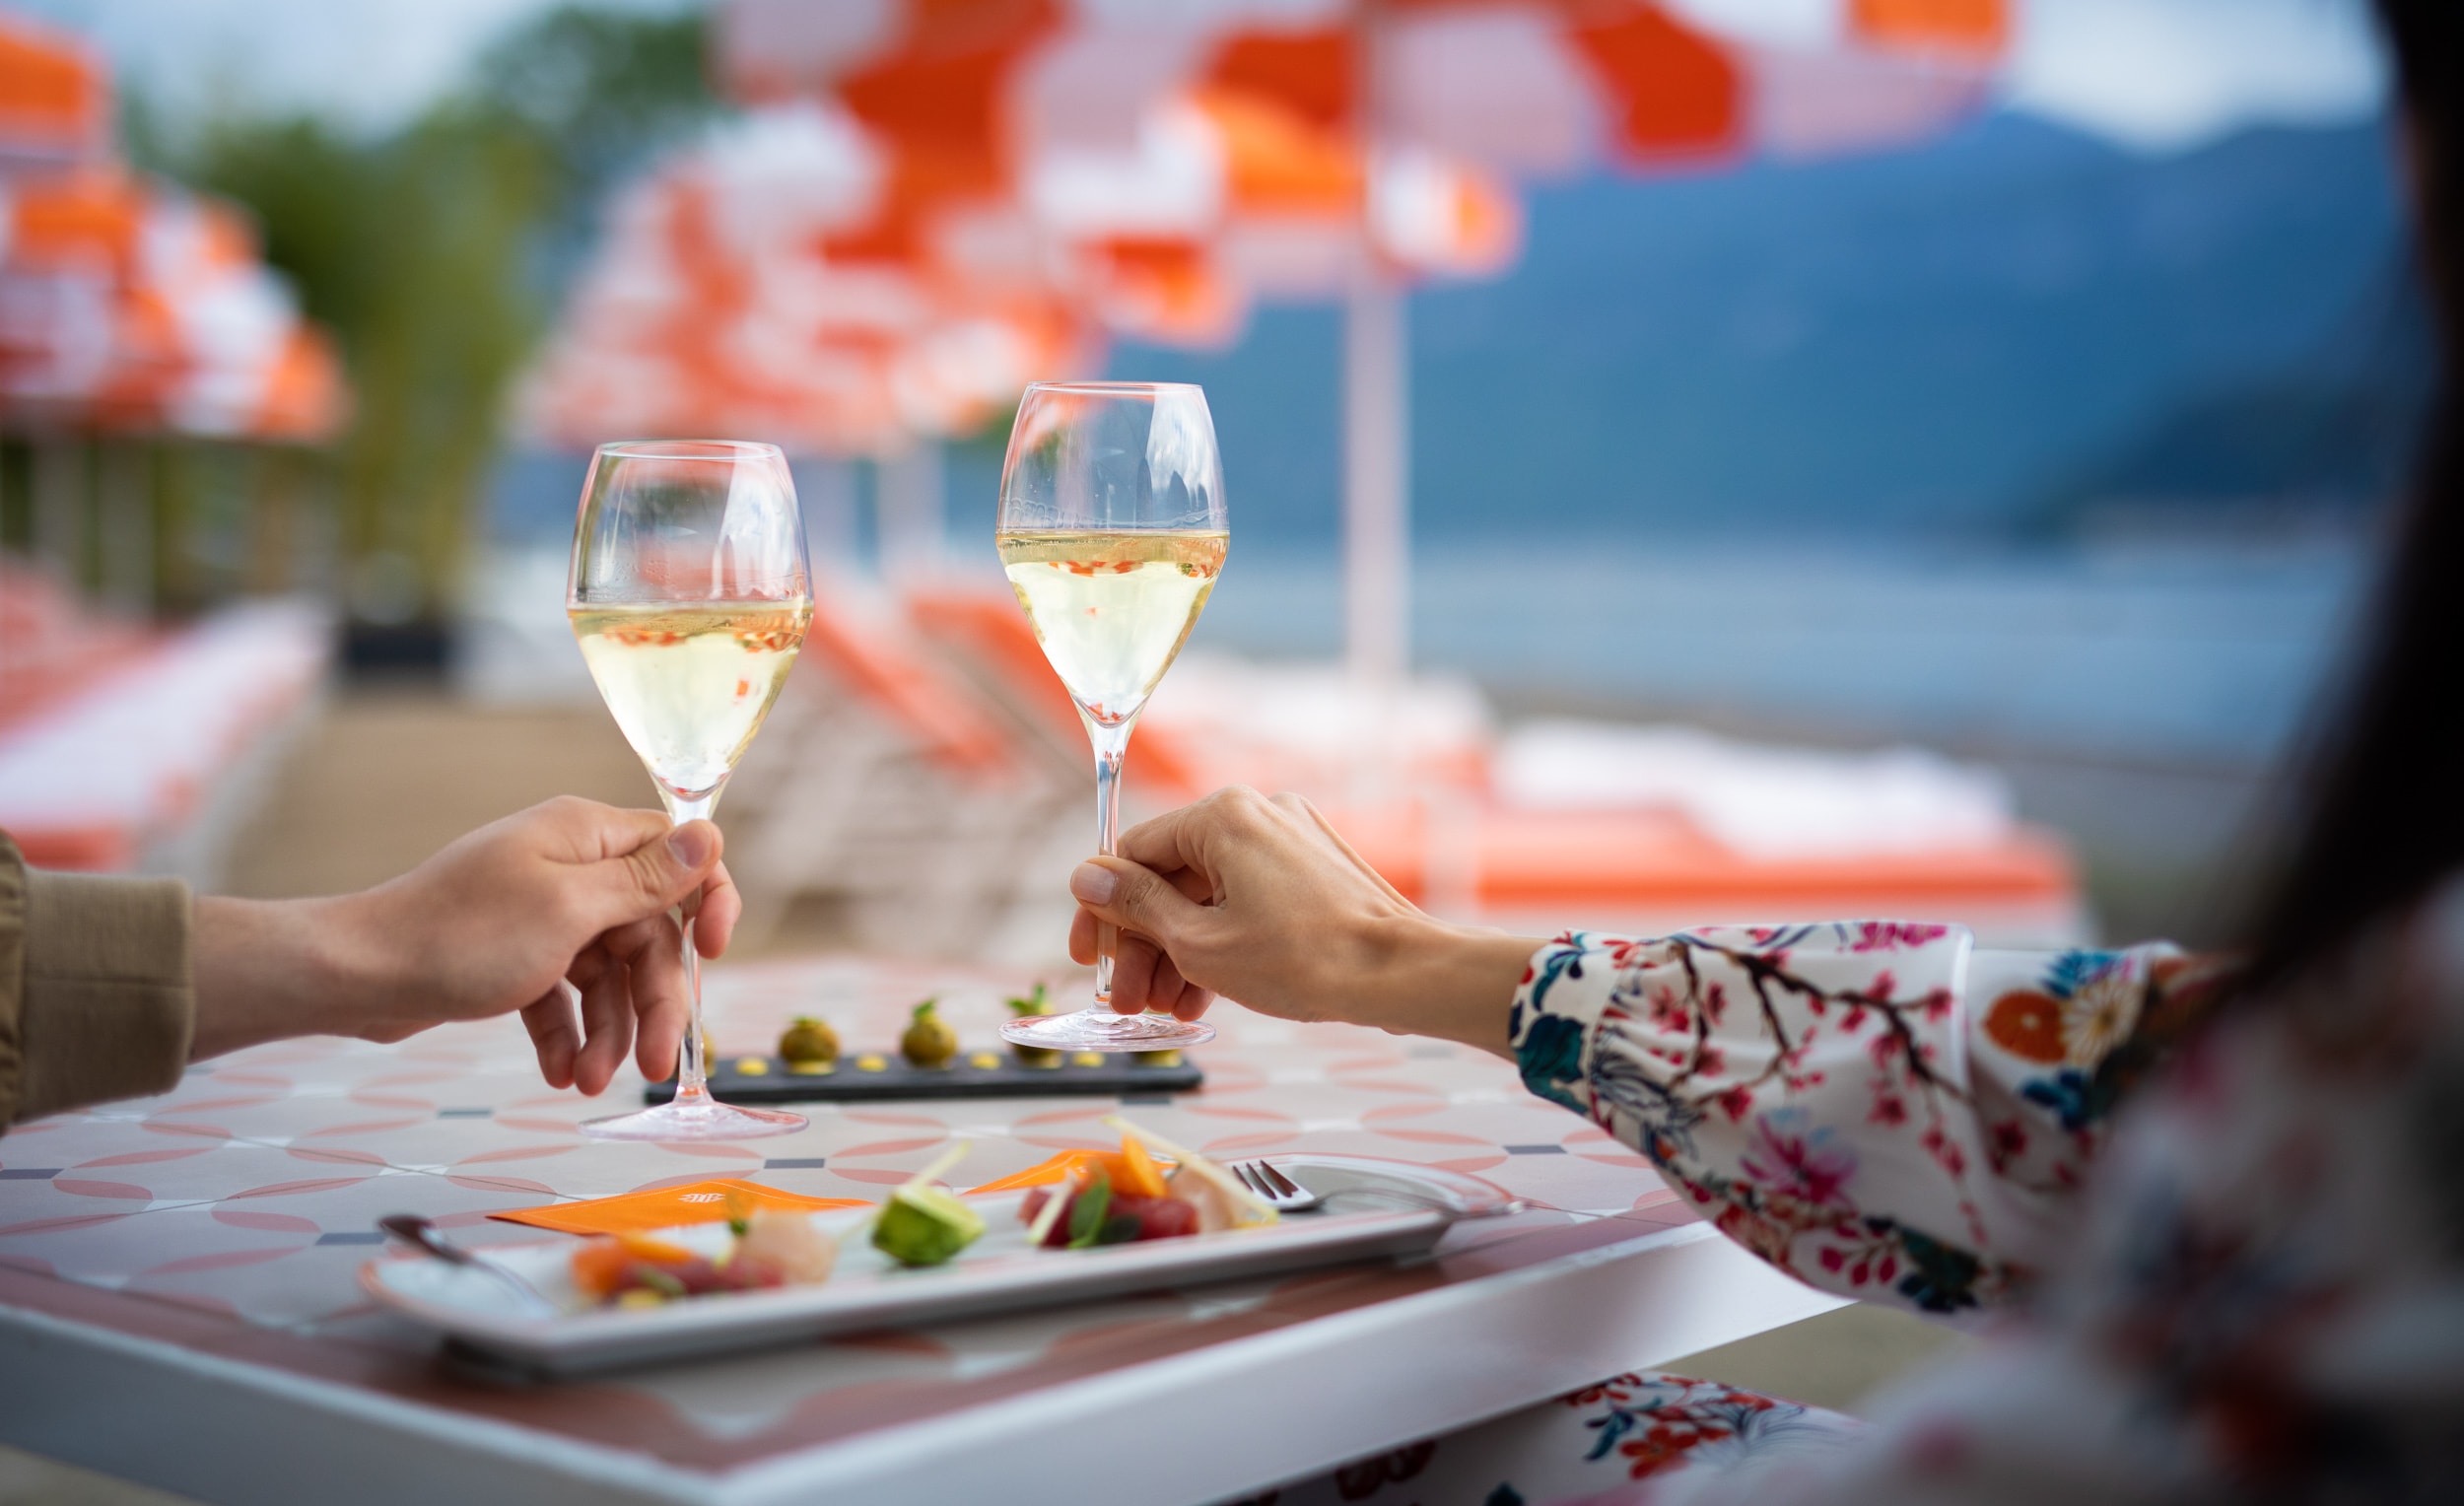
[(1693, 460)]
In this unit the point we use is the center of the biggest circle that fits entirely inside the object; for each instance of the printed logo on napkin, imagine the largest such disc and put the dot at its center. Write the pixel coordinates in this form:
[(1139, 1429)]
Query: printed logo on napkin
[(665, 1208)]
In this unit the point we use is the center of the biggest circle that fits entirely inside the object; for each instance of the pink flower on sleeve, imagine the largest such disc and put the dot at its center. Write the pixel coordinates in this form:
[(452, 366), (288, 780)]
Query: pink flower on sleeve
[(1789, 1159), (1894, 935)]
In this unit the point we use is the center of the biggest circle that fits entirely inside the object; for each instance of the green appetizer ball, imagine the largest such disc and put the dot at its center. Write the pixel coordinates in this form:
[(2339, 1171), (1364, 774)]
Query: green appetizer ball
[(1037, 1002), (925, 1226), (929, 1040), (808, 1040)]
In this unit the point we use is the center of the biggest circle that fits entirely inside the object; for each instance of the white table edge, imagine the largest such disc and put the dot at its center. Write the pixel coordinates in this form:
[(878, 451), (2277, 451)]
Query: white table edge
[(1309, 1396)]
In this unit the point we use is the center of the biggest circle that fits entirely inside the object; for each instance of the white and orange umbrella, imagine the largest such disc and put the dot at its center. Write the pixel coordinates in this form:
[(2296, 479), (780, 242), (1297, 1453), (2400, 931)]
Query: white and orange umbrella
[(55, 97), (1275, 139), (717, 303), (1168, 166), (1160, 168), (126, 305)]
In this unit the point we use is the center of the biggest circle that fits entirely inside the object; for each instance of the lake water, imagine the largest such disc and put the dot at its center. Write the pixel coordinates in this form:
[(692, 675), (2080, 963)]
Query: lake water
[(2207, 656), (2204, 654)]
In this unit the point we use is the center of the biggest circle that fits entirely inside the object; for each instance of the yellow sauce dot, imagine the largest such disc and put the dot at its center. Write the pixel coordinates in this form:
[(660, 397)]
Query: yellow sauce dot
[(868, 1062), (984, 1058), (1156, 1058), (1087, 1059), (813, 1068), (752, 1066)]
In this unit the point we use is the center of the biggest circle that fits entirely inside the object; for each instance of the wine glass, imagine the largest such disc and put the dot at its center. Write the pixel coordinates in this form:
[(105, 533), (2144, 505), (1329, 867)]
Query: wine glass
[(689, 594), (1112, 530)]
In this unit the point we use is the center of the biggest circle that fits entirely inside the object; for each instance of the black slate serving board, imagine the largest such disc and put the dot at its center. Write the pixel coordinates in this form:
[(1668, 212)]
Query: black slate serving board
[(974, 1074)]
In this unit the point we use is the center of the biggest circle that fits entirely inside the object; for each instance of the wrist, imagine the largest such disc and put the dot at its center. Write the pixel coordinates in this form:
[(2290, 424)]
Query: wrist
[(1449, 982), (356, 955), (267, 969)]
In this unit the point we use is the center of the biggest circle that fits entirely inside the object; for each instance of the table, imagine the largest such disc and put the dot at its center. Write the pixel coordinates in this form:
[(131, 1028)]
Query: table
[(178, 1303)]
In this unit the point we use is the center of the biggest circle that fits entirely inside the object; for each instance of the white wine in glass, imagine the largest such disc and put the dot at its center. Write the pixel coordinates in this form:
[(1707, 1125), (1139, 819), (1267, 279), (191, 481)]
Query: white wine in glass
[(690, 685), (1113, 532), (1111, 610), (690, 596)]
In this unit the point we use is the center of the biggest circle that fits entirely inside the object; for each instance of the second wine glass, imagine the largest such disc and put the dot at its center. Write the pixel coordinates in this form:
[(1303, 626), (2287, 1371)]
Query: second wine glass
[(1112, 530)]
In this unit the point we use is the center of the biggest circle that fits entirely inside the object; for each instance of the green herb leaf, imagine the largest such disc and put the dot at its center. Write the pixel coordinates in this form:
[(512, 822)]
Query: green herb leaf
[(1120, 1229), (1036, 1003), (1086, 1215), (924, 1011)]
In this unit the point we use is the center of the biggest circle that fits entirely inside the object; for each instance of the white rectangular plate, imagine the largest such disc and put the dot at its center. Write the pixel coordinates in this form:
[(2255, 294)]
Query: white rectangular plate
[(1375, 1209)]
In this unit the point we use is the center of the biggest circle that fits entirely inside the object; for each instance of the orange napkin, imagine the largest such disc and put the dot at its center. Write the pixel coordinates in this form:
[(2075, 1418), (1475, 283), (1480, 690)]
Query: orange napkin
[(665, 1208)]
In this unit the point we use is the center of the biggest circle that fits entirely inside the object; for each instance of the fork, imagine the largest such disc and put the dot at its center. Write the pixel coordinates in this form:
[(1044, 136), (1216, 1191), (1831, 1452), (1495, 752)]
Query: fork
[(1277, 1190)]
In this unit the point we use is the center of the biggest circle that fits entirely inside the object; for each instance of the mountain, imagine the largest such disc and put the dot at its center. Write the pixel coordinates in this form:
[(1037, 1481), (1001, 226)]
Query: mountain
[(2329, 440), (1939, 339)]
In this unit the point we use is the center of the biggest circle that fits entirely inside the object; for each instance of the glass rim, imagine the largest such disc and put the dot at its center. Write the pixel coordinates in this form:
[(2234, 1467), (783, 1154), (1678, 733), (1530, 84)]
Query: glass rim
[(1112, 388), (687, 449)]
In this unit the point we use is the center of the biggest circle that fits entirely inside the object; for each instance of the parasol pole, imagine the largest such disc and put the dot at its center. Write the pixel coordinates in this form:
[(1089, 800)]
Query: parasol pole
[(1377, 523), (1377, 458)]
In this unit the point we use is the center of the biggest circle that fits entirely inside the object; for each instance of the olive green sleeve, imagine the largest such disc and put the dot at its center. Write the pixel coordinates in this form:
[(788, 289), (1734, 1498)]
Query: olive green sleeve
[(12, 976), (95, 994)]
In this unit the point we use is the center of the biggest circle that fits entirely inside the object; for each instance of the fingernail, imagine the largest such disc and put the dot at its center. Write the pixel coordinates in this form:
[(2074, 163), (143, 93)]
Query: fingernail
[(1094, 883), (692, 844)]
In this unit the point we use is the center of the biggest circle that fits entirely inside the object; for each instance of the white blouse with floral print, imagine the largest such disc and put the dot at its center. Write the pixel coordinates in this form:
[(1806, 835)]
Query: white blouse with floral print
[(2216, 1252), (1881, 1108)]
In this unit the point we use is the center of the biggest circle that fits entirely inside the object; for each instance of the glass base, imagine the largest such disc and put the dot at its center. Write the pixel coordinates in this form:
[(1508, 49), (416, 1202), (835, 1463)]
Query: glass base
[(705, 1120), (1103, 1030)]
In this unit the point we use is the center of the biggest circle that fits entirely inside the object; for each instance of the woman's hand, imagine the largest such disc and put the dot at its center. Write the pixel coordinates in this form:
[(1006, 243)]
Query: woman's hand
[(566, 892), (1258, 900)]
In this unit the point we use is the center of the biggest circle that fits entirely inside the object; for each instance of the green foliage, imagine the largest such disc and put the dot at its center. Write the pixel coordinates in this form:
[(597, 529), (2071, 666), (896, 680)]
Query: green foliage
[(598, 91), (432, 252)]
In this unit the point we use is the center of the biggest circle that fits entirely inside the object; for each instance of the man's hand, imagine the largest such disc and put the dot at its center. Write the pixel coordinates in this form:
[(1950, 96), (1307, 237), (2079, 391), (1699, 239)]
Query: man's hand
[(1260, 900), (566, 892)]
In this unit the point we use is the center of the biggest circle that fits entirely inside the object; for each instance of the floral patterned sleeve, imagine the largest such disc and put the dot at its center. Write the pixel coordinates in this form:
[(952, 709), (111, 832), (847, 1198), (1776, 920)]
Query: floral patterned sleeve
[(1879, 1109)]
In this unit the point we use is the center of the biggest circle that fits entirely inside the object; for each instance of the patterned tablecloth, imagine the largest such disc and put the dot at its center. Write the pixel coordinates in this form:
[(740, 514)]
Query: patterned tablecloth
[(192, 1258)]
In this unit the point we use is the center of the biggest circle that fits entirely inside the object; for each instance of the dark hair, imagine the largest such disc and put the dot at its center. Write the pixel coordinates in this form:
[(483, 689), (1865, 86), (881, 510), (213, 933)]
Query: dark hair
[(2385, 804)]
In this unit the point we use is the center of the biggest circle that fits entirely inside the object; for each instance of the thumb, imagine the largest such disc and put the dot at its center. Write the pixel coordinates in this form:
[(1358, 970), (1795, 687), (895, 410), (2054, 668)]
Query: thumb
[(664, 869), (1135, 898)]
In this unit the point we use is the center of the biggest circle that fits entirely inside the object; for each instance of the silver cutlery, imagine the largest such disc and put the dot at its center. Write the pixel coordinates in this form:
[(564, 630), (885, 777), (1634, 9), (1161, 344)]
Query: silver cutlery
[(421, 1234), (1275, 1190)]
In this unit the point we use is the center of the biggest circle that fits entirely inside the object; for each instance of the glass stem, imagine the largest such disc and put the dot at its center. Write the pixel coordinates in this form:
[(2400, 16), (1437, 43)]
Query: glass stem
[(692, 1071), (1111, 745)]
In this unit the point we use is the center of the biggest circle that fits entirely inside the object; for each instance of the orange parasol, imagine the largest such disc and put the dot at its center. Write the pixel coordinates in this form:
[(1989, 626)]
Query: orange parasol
[(127, 305), (717, 303), (55, 96), (1162, 168), (133, 306)]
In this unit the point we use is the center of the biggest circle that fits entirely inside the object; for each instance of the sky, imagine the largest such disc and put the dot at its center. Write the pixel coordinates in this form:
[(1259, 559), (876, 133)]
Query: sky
[(372, 63), (2157, 76)]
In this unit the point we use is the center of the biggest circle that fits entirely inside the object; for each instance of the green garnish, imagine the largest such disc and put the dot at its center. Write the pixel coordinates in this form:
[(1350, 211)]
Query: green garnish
[(925, 1226), (1037, 1002), (1086, 1215)]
